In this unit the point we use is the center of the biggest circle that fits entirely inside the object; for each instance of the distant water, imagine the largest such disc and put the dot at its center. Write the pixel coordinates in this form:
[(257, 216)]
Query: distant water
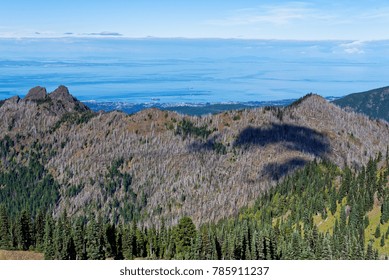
[(183, 71)]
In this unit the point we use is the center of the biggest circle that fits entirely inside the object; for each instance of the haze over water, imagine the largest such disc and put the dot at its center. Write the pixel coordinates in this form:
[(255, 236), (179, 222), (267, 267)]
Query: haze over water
[(191, 70)]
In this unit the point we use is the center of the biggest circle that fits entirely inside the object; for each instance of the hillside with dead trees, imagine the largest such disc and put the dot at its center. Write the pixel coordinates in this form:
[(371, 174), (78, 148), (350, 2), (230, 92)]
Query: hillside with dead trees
[(158, 165)]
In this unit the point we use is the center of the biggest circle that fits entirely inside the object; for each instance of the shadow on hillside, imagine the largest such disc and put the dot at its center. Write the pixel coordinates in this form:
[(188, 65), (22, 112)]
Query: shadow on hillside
[(292, 137), (201, 146), (276, 171)]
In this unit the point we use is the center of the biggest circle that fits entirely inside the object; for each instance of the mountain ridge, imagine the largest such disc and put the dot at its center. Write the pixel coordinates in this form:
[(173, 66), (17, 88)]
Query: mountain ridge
[(156, 165), (374, 103)]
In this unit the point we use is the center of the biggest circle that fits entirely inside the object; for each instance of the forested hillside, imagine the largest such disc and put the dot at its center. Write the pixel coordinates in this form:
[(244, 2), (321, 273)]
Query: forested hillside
[(56, 154), (374, 103), (106, 177), (320, 212)]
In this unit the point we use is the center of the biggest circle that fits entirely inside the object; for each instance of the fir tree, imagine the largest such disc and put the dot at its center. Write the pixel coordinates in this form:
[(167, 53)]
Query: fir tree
[(384, 211), (184, 233), (39, 229), (68, 247), (5, 234), (110, 240), (79, 239), (119, 242), (369, 251), (49, 248), (326, 253), (58, 238), (129, 242), (25, 231), (377, 232), (95, 240)]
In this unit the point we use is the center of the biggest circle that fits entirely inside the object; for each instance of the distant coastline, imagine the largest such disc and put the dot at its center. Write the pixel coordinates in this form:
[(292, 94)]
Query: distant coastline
[(193, 109)]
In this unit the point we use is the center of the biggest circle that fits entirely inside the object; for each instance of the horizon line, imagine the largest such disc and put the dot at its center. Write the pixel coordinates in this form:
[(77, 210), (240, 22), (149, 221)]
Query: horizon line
[(189, 38)]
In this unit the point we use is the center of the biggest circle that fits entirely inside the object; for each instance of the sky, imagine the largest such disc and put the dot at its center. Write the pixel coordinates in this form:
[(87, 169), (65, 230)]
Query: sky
[(248, 19)]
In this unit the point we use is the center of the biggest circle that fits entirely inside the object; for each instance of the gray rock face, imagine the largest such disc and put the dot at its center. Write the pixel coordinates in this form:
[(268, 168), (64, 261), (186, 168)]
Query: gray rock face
[(36, 93), (63, 99), (62, 93)]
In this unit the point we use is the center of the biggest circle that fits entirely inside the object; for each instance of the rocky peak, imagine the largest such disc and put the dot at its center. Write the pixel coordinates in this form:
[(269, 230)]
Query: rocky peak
[(62, 93), (36, 93), (61, 97), (309, 98)]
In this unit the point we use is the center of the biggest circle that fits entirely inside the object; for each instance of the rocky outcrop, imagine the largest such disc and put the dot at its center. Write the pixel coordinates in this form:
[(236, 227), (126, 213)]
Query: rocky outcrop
[(36, 93), (70, 103), (62, 93)]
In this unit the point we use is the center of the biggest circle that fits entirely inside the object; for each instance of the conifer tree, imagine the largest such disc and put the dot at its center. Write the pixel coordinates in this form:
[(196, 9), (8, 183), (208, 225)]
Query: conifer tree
[(296, 246), (326, 253), (5, 234), (163, 238), (224, 246), (197, 248), (119, 242), (49, 247), (267, 248), (58, 238), (366, 221), (377, 232), (369, 251), (376, 255), (79, 239), (14, 234), (39, 229), (95, 240), (129, 242), (254, 251), (315, 239), (231, 246), (140, 244), (206, 244), (184, 233), (333, 201), (110, 240), (384, 211), (68, 246), (24, 230), (345, 251)]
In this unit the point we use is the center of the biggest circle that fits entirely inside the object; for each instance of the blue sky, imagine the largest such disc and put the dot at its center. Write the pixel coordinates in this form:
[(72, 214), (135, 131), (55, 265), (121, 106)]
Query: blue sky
[(296, 20)]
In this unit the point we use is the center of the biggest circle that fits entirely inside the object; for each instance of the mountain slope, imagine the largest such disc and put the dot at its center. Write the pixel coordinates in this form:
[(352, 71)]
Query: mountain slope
[(374, 103), (156, 164)]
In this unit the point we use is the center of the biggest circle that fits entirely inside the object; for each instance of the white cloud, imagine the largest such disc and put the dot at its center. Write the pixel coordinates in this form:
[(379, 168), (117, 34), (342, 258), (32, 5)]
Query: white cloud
[(355, 47), (105, 33), (271, 14), (306, 21), (376, 14), (50, 34)]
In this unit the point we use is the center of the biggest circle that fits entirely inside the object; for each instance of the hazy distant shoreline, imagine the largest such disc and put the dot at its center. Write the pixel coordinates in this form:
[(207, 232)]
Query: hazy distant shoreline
[(194, 109)]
